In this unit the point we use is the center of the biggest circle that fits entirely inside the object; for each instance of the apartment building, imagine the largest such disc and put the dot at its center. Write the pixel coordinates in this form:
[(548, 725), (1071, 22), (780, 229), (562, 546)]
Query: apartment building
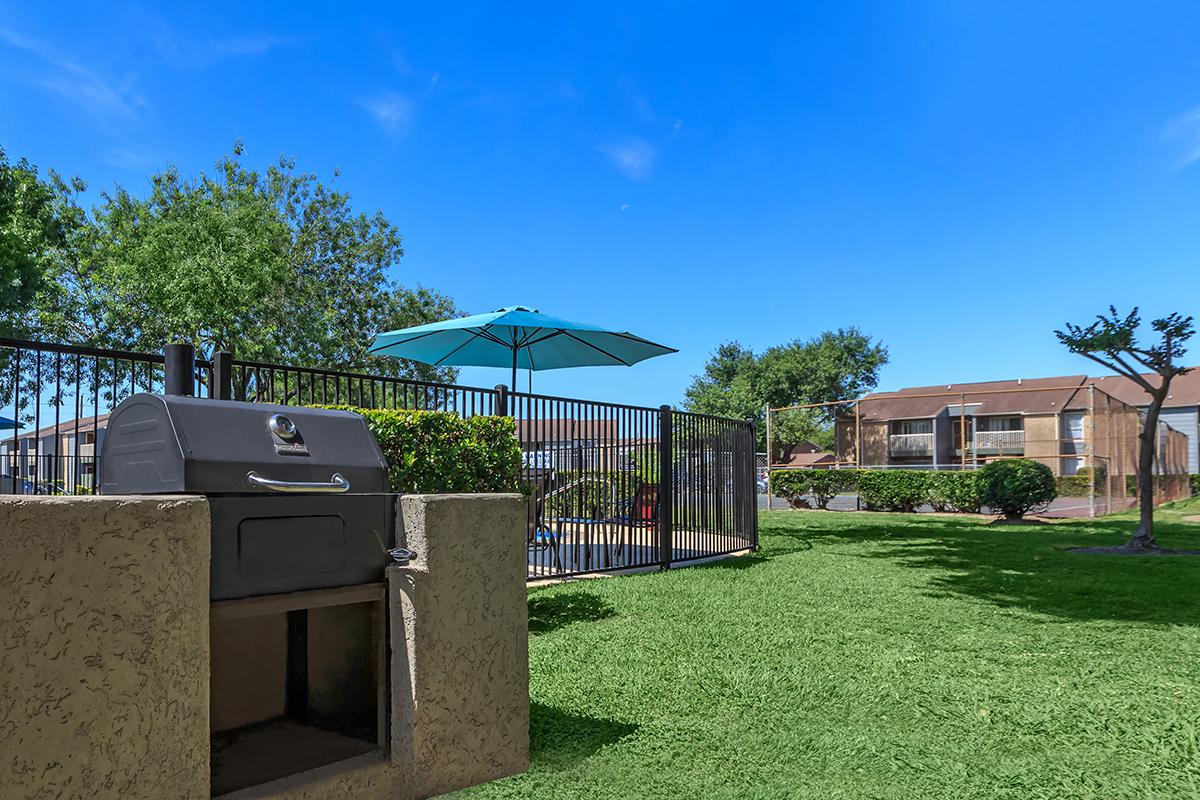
[(56, 458), (1061, 421), (1181, 410)]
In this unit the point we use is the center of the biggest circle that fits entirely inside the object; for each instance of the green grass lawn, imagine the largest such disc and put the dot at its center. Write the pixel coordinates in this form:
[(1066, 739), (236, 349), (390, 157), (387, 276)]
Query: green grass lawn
[(882, 656)]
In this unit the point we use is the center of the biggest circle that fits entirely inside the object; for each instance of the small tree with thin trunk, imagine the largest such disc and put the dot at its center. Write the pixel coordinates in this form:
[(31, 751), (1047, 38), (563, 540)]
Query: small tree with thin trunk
[(1112, 342)]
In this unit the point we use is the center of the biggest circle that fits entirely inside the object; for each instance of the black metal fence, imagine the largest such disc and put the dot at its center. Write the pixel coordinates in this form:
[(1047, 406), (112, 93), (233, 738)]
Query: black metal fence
[(611, 486)]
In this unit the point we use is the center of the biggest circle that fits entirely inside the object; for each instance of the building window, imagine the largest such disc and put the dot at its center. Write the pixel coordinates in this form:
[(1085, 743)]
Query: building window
[(904, 427), (999, 423)]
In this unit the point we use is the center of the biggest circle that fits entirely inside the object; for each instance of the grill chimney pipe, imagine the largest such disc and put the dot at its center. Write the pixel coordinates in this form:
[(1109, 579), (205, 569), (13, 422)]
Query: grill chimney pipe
[(180, 369)]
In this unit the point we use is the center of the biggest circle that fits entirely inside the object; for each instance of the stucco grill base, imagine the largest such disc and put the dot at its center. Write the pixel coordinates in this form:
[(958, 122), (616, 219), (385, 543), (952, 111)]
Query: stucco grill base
[(104, 655)]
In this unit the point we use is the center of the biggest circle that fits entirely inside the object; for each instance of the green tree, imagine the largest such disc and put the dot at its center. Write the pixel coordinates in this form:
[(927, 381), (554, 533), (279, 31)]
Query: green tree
[(275, 266), (836, 365), (36, 217), (1111, 341), (728, 386)]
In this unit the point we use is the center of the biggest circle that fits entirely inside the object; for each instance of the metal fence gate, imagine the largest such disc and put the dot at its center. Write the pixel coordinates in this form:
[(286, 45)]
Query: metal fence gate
[(610, 486)]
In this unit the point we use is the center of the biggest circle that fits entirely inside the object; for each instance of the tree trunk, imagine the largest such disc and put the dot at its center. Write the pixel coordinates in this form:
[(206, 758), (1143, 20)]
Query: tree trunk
[(1143, 537)]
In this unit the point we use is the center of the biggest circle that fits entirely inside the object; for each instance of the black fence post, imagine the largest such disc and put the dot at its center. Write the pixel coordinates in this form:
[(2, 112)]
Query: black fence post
[(222, 388), (752, 511), (179, 367), (666, 487), (501, 400)]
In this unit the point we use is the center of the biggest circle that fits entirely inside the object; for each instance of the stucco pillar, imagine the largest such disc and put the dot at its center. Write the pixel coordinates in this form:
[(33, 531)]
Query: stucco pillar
[(104, 648), (460, 686)]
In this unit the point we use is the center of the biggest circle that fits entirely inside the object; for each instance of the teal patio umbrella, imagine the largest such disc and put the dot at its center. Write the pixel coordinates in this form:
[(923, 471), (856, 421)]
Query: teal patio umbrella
[(7, 424), (519, 338)]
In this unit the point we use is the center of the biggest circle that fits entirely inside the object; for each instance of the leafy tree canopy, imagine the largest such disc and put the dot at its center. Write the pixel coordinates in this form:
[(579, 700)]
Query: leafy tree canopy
[(275, 266), (836, 365), (34, 225)]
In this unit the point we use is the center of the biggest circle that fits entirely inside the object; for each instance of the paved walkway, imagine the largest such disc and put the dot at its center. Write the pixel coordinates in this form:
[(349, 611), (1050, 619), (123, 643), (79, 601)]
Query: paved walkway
[(580, 547)]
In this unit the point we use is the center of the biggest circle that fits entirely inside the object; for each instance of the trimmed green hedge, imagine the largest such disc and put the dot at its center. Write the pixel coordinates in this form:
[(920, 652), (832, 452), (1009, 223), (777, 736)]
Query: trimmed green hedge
[(903, 489), (1074, 485), (821, 484), (893, 490), (1080, 484), (436, 451), (955, 491), (1132, 483)]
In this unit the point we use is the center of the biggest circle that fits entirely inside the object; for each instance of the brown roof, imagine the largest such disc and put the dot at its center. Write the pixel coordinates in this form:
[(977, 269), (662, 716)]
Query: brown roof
[(563, 430), (1185, 389), (808, 459), (65, 426), (1022, 396), (803, 454)]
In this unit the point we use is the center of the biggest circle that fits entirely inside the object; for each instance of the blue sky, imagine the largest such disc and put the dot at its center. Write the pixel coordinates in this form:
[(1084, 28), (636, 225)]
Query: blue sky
[(957, 179)]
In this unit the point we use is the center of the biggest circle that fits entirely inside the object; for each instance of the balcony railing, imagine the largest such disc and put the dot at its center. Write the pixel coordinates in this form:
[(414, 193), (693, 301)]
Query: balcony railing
[(911, 444), (1000, 441)]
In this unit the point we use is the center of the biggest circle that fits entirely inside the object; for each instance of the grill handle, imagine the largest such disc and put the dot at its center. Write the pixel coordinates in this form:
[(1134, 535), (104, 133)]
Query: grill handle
[(336, 485)]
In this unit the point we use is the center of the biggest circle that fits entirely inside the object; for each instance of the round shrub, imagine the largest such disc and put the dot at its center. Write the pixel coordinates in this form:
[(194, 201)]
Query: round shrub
[(1014, 487)]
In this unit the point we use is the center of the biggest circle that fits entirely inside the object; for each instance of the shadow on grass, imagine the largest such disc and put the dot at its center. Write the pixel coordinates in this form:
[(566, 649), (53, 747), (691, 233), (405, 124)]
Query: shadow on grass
[(1031, 568), (549, 612), (559, 738), (746, 561), (795, 544)]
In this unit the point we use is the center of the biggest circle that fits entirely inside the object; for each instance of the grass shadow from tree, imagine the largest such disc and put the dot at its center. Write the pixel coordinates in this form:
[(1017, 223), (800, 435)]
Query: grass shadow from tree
[(1033, 568)]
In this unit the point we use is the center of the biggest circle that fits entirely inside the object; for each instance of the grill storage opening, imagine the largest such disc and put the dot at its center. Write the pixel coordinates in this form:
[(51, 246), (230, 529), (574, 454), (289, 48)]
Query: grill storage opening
[(298, 682)]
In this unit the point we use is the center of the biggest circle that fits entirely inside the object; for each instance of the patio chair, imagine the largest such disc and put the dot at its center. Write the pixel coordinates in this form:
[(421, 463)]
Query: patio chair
[(538, 534), (536, 508), (645, 504)]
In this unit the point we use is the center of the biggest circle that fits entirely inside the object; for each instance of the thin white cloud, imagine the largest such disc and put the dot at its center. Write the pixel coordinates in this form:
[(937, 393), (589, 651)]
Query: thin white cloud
[(403, 66), (391, 110), (639, 101), (632, 156), (69, 80), (250, 45), (131, 159), (188, 50), (1185, 129)]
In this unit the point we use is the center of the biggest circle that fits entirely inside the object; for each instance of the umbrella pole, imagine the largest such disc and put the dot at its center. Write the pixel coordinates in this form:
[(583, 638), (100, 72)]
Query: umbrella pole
[(514, 372)]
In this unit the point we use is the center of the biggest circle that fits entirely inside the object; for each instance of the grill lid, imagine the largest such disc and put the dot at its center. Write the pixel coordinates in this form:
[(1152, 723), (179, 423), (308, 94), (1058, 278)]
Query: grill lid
[(158, 444)]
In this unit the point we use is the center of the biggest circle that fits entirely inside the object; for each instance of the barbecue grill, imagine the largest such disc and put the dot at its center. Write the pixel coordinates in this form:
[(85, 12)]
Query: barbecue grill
[(297, 495), (301, 532)]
